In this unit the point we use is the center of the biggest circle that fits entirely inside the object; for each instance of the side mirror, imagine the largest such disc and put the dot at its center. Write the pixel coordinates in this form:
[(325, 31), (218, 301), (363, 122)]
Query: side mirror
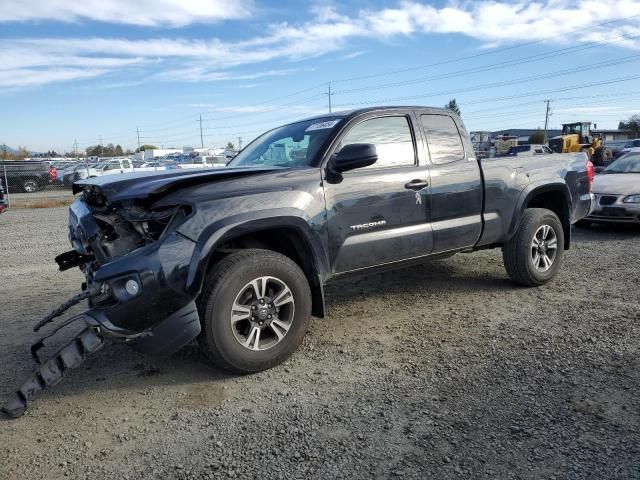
[(600, 170), (355, 155)]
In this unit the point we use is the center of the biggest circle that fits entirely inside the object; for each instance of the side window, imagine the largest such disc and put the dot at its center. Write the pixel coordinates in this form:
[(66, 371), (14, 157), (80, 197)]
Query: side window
[(443, 138), (391, 136), (125, 164)]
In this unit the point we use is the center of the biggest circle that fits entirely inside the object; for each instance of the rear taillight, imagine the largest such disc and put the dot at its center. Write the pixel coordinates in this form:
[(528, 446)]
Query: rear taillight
[(53, 174), (591, 173)]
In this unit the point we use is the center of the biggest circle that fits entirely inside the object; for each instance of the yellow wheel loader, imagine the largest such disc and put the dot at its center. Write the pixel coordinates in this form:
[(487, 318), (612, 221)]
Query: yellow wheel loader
[(576, 137)]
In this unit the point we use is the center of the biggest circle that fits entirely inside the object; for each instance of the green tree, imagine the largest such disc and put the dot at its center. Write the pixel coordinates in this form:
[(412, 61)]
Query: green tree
[(230, 146), (93, 151), (146, 147), (453, 106), (632, 125), (537, 137)]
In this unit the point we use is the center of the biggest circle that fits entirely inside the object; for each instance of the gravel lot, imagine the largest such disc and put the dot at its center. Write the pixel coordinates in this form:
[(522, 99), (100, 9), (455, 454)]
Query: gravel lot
[(441, 371)]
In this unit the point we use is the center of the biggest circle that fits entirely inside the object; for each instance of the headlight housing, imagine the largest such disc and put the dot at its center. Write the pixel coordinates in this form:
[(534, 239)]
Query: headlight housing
[(632, 199)]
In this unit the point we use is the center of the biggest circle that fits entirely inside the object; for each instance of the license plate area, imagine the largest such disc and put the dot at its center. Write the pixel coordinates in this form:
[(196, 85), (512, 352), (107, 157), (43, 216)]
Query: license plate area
[(614, 211)]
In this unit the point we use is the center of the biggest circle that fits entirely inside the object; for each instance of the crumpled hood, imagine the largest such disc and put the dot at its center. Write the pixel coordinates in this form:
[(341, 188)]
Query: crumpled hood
[(145, 184), (617, 183)]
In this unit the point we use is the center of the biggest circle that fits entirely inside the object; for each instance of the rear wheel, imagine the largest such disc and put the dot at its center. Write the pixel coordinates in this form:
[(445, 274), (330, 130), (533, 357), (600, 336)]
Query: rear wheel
[(29, 186), (534, 254), (255, 310)]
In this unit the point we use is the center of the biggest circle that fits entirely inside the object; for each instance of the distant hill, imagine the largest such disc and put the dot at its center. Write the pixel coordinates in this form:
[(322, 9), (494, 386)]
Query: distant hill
[(9, 149)]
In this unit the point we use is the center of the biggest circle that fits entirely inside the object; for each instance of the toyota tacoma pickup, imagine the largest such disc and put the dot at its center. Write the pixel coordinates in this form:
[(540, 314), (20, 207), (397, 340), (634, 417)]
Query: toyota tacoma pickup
[(237, 257)]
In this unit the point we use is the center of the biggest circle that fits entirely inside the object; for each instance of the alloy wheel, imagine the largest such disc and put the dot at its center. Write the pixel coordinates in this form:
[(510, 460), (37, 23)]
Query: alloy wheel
[(262, 313), (544, 248)]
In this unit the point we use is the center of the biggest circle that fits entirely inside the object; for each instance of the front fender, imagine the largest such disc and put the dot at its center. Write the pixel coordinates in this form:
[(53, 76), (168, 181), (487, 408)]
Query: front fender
[(242, 224)]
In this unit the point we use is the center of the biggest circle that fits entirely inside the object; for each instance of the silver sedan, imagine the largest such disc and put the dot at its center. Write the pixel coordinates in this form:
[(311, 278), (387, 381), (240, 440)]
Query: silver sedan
[(617, 192)]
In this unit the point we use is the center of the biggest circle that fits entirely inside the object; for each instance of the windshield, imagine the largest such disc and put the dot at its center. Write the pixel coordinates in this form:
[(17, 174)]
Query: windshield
[(629, 163), (294, 145)]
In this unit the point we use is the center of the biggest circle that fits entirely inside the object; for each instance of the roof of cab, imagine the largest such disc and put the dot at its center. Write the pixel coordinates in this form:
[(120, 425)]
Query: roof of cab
[(358, 111)]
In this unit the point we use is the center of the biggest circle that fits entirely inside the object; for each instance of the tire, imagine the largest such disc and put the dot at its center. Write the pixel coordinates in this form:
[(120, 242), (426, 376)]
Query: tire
[(599, 157), (30, 186), (519, 252), (229, 286)]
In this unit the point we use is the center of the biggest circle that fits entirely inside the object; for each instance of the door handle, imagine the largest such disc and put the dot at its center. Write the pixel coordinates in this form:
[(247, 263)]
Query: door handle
[(416, 184)]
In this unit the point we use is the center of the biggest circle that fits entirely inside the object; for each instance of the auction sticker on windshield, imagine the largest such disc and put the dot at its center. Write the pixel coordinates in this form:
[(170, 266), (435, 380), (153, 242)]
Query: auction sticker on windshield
[(322, 125)]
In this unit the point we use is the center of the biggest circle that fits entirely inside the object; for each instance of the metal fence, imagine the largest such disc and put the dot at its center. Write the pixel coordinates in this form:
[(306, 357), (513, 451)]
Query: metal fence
[(36, 183), (41, 183)]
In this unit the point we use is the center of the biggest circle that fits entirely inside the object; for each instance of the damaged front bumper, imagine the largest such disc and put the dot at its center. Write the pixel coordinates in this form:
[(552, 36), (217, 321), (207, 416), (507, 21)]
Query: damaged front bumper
[(139, 299)]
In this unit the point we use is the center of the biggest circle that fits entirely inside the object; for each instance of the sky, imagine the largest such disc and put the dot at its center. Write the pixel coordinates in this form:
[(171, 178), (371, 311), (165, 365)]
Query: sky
[(116, 70)]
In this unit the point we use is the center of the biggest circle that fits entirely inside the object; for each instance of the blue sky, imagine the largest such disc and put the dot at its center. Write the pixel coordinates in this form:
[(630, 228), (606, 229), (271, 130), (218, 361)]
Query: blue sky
[(80, 70)]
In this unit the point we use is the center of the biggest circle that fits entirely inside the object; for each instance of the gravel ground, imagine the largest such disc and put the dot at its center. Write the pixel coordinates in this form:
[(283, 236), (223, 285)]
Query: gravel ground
[(440, 371)]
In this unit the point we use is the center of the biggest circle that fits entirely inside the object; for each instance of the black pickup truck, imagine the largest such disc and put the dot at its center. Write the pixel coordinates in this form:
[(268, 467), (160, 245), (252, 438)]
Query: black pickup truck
[(237, 257), (26, 175)]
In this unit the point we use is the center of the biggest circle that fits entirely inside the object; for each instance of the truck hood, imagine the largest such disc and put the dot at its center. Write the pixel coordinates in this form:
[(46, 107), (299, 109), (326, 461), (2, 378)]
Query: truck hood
[(617, 183), (142, 185)]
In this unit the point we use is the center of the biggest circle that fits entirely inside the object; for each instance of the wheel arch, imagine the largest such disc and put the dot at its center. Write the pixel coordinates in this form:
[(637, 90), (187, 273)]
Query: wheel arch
[(555, 197), (290, 235)]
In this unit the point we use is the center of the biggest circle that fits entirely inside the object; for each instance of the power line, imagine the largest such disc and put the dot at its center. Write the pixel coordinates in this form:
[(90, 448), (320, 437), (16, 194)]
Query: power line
[(482, 54), (554, 99), (272, 109), (482, 68), (500, 84)]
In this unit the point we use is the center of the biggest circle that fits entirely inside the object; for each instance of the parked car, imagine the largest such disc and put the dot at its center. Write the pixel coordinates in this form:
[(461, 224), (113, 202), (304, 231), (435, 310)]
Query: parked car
[(76, 172), (26, 175), (617, 192), (528, 150), (616, 146), (237, 257), (631, 147)]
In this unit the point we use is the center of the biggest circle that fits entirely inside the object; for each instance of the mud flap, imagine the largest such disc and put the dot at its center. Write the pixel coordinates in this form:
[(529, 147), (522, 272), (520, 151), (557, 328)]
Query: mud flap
[(52, 371)]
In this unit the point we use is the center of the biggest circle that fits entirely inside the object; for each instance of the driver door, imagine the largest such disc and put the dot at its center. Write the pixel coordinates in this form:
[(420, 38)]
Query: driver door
[(379, 214)]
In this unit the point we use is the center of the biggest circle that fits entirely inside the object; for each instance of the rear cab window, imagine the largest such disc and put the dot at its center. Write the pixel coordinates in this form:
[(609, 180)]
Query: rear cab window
[(443, 138)]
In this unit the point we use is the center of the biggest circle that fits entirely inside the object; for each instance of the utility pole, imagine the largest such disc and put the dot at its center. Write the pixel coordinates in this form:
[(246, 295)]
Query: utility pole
[(4, 167), (201, 138), (546, 122), (239, 143), (101, 147), (329, 95)]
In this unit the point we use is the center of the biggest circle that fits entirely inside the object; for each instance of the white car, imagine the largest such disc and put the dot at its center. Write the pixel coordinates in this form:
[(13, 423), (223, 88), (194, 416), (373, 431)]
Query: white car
[(632, 146), (617, 192)]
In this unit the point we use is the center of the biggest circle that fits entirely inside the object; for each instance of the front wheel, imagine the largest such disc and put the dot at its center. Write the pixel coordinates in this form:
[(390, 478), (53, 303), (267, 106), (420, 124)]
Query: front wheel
[(255, 310), (534, 254)]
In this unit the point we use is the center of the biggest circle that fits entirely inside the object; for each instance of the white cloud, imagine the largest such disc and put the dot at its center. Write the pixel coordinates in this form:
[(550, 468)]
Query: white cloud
[(202, 74), (174, 13), (329, 31), (29, 77)]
